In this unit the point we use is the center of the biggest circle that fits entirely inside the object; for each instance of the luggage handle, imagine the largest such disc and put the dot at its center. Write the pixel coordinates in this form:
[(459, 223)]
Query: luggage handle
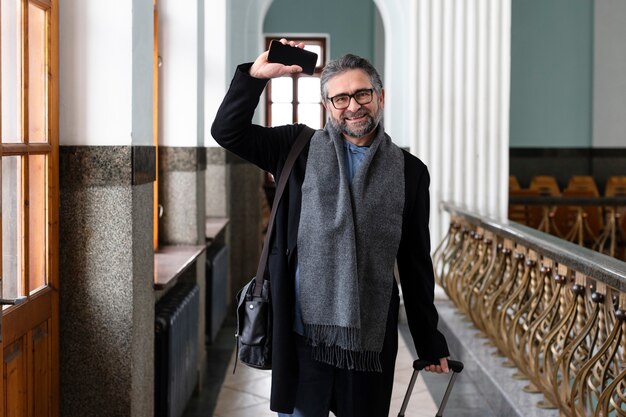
[(455, 366)]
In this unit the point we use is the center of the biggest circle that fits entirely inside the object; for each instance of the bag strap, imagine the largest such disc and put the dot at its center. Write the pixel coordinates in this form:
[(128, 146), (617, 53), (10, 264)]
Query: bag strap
[(303, 138)]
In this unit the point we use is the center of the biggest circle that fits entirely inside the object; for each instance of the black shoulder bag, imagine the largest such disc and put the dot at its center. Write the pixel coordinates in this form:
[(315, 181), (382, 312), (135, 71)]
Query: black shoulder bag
[(254, 310)]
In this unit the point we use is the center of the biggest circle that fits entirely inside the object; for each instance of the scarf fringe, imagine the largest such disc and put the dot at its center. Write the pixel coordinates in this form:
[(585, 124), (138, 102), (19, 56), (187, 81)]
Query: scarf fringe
[(366, 361), (348, 338), (341, 347)]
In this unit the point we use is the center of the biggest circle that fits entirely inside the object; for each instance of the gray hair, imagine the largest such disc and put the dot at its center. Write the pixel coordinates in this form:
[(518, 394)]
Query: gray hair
[(346, 63)]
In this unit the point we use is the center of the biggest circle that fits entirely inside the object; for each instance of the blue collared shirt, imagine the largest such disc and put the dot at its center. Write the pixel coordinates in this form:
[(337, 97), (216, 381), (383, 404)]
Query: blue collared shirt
[(353, 158)]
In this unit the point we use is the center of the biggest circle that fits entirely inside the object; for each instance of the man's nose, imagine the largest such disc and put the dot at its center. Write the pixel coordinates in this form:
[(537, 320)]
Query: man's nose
[(353, 105)]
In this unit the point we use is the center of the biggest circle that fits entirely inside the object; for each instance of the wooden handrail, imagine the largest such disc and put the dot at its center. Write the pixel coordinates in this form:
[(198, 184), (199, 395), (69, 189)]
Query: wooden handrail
[(567, 200)]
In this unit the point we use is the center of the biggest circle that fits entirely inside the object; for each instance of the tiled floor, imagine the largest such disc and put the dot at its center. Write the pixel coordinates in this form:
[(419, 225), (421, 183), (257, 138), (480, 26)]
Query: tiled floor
[(246, 393)]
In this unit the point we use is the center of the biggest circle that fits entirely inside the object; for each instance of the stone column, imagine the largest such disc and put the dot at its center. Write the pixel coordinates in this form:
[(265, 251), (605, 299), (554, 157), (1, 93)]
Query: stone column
[(182, 195), (234, 190), (106, 275), (217, 184)]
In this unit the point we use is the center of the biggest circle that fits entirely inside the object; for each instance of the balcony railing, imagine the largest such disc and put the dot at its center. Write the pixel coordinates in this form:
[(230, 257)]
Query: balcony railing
[(594, 222), (555, 310)]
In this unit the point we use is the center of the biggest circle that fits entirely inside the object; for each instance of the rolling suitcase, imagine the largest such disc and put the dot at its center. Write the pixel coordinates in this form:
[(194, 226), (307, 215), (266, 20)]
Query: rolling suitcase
[(455, 366)]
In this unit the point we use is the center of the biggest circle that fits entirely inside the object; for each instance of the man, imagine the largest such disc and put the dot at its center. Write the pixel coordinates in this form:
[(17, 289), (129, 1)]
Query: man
[(354, 204)]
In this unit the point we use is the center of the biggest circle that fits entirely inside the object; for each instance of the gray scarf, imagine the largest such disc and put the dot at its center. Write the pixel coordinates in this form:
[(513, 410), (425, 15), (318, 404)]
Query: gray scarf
[(348, 240)]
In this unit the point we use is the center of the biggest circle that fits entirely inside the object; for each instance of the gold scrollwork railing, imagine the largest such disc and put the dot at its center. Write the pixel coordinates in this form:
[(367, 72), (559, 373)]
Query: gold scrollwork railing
[(554, 310), (609, 239)]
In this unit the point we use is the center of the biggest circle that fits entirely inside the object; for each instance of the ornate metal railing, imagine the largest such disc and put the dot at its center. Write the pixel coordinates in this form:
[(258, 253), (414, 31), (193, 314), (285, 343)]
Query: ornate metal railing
[(555, 310), (607, 214)]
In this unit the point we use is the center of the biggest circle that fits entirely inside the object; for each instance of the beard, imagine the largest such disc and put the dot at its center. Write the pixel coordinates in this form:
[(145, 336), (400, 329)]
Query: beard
[(360, 129)]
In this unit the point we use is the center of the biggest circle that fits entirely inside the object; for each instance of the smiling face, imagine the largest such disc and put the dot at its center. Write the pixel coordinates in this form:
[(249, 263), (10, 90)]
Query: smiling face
[(357, 122)]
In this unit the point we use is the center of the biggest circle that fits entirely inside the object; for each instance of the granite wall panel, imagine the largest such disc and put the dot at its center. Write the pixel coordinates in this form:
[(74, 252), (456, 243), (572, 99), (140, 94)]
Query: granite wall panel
[(182, 195), (106, 276), (217, 179)]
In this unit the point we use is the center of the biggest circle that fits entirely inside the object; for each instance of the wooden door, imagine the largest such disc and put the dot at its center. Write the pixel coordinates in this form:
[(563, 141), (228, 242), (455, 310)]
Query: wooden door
[(29, 189), (1, 304)]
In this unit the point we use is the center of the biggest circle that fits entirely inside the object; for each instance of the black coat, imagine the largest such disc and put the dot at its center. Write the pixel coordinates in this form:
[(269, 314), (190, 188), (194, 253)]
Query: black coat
[(268, 149)]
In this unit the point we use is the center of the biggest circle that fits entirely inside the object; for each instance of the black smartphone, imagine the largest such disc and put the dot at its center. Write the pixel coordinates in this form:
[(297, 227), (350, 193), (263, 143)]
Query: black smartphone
[(291, 55)]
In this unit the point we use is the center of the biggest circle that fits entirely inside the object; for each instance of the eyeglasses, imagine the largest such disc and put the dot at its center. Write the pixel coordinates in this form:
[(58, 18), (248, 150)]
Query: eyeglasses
[(342, 101)]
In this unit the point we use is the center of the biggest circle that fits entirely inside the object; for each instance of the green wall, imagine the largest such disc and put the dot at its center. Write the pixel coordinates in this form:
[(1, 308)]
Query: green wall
[(350, 23), (551, 73)]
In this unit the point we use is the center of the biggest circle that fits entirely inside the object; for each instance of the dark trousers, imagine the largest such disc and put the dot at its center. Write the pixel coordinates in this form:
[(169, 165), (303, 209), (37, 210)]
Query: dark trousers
[(322, 387)]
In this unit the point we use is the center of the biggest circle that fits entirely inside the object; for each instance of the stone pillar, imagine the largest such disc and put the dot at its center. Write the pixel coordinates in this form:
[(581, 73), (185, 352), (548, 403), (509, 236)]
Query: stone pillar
[(217, 184), (107, 170), (234, 190), (182, 195), (106, 271)]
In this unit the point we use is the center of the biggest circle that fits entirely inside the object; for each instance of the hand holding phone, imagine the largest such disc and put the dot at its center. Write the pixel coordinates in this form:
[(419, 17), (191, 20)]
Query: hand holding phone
[(291, 55)]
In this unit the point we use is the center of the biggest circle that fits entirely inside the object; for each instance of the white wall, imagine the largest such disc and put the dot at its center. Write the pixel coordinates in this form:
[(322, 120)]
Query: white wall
[(179, 101), (245, 34), (245, 31), (143, 73), (609, 74), (400, 49), (95, 72), (215, 52)]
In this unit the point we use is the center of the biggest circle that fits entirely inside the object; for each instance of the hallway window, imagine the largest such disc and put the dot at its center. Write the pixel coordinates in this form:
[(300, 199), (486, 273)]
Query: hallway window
[(296, 98), (28, 146)]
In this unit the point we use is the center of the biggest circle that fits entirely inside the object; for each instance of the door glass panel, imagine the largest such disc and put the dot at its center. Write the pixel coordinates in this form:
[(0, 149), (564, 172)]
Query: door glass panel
[(37, 75), (11, 70), (12, 283), (37, 215), (282, 90), (310, 115), (309, 90), (282, 114)]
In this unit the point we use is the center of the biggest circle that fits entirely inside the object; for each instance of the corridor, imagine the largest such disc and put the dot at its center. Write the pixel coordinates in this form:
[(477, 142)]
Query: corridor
[(127, 229)]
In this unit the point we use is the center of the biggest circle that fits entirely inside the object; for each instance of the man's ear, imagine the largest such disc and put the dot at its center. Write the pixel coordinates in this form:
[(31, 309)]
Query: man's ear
[(382, 98)]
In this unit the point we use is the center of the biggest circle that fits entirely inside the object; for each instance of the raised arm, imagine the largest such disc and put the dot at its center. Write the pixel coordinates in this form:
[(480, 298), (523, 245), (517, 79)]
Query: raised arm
[(233, 128)]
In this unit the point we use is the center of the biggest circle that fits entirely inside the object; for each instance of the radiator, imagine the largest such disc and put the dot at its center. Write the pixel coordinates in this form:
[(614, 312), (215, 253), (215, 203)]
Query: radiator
[(216, 289), (176, 349)]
